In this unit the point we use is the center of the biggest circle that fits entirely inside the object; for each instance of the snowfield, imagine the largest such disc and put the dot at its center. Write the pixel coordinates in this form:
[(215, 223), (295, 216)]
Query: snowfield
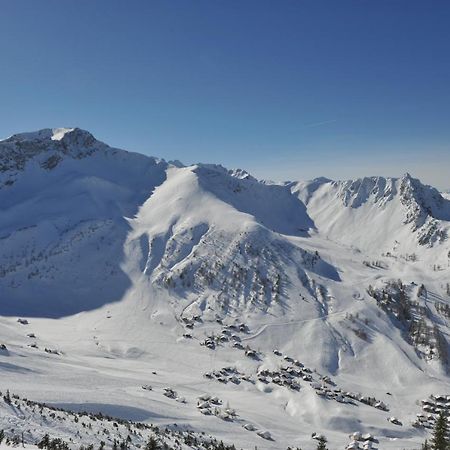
[(198, 298)]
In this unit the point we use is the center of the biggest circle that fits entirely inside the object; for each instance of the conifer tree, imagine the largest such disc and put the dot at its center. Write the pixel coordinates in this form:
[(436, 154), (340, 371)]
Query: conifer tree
[(440, 441), (152, 444), (321, 441), (7, 397), (45, 442)]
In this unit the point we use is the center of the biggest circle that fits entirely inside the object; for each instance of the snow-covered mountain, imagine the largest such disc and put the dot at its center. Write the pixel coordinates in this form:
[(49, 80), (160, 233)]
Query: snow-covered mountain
[(401, 208), (65, 197), (127, 271)]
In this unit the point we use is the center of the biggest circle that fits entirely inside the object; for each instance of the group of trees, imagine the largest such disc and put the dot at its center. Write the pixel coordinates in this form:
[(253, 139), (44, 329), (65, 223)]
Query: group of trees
[(159, 439), (393, 298), (413, 318), (443, 309), (52, 444), (48, 443), (439, 441), (377, 264)]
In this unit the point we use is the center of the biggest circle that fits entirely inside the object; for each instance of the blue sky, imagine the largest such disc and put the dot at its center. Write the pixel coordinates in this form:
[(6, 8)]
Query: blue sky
[(288, 89)]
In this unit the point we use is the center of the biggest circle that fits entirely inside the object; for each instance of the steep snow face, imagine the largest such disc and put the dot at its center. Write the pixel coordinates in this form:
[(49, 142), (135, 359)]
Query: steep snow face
[(422, 202), (66, 239), (62, 225), (272, 206), (221, 244), (394, 210)]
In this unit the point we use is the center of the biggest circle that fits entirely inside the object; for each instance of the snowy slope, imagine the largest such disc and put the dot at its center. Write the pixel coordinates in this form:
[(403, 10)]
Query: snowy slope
[(130, 269), (66, 215), (394, 210)]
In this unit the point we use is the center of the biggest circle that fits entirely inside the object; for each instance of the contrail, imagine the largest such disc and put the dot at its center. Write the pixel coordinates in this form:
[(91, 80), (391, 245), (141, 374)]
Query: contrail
[(319, 124)]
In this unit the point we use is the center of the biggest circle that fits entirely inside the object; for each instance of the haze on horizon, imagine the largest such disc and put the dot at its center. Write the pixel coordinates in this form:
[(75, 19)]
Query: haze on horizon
[(286, 90)]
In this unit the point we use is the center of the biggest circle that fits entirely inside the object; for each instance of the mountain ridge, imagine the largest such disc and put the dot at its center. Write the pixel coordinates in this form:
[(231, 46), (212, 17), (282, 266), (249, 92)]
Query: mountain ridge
[(129, 267)]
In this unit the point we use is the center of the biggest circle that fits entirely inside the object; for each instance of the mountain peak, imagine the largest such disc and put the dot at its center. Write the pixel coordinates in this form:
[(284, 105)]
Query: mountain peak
[(421, 201), (406, 176), (49, 134), (50, 144), (241, 174)]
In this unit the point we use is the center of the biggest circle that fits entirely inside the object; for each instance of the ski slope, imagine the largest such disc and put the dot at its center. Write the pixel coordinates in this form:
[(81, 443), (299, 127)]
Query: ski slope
[(124, 267)]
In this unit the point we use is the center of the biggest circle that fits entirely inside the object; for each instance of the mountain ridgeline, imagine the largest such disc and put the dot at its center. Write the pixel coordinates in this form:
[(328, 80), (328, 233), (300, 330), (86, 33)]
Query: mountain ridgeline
[(81, 222), (276, 287)]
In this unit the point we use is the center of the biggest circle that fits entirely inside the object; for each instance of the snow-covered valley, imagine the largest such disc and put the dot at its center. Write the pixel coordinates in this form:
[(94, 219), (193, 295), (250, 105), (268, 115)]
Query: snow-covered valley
[(199, 298)]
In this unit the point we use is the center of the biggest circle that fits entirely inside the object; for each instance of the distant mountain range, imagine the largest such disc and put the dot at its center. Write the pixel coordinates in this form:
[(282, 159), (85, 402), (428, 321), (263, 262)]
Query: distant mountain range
[(142, 260)]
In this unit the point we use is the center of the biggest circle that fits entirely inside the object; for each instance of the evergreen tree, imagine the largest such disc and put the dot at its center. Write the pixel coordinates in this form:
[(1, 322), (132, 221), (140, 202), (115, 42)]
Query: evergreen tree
[(2, 436), (7, 397), (152, 444), (426, 446), (321, 441), (45, 442), (440, 441)]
